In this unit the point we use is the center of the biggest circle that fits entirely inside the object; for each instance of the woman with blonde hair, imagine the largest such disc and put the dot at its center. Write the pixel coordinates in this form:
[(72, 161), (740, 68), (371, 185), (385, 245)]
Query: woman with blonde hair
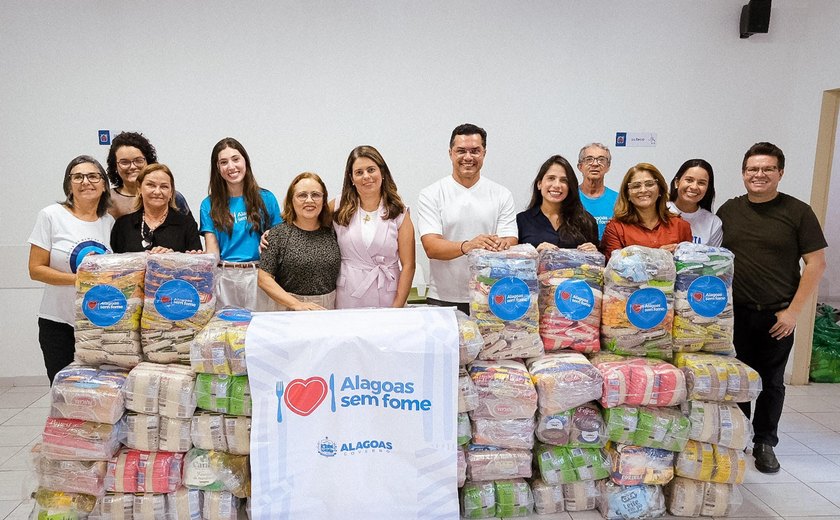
[(641, 214), (375, 235)]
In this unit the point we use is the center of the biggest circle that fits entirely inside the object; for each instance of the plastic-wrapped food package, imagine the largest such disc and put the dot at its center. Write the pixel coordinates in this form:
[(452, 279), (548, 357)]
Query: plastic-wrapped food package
[(505, 390), (632, 465), (513, 498), (547, 498), (628, 502), (150, 506), (238, 434), (464, 429), (703, 318), (581, 495), (487, 463), (142, 432), (109, 301), (220, 505), (59, 505), (504, 433), (174, 435), (467, 394), (711, 463), (470, 340), (210, 470), (208, 431), (74, 439), (151, 388), (178, 303), (116, 506), (462, 467), (718, 423), (504, 293), (89, 394), (571, 290), (652, 427), (184, 504), (691, 498), (561, 464), (582, 427), (564, 380), (135, 471), (639, 381), (71, 476), (478, 500), (219, 348), (718, 378), (240, 396), (638, 309)]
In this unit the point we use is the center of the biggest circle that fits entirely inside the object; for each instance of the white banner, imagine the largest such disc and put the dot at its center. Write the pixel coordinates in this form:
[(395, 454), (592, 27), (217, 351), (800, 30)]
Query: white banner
[(354, 414)]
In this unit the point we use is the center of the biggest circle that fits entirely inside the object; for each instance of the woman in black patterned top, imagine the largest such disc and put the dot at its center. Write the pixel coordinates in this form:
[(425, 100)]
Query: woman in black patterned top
[(299, 268)]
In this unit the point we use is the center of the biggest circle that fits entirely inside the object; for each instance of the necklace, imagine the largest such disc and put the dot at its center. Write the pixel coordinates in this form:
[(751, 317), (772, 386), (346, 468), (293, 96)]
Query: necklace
[(369, 215), (147, 233)]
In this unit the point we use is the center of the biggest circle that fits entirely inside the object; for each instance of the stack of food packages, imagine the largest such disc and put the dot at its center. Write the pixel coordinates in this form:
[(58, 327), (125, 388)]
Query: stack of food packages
[(97, 461)]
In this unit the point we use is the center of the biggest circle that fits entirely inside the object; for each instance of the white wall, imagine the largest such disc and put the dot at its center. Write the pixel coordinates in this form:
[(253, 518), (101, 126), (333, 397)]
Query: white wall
[(301, 83)]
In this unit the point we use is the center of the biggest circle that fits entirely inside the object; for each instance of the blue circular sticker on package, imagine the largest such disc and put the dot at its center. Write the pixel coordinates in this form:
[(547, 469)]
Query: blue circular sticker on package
[(707, 296), (104, 305), (177, 300), (574, 299), (509, 298), (235, 315), (646, 308)]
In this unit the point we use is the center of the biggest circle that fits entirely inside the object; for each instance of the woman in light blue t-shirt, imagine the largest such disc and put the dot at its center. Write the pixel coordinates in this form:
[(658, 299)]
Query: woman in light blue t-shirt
[(233, 217)]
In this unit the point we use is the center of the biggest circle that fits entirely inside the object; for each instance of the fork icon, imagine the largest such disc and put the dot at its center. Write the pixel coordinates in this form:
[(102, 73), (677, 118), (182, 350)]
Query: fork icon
[(278, 389)]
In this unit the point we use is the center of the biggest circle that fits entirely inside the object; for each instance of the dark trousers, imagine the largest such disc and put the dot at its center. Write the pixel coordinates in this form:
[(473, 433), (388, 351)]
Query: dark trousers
[(463, 307), (755, 347), (58, 344)]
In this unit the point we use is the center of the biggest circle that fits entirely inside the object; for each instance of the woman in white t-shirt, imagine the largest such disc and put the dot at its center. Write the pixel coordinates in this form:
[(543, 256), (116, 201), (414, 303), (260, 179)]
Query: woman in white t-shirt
[(692, 194), (64, 234)]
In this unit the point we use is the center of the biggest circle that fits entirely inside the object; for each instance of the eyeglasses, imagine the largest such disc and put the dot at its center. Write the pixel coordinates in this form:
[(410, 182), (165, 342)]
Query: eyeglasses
[(636, 186), (138, 161), (602, 160), (315, 195), (78, 178), (767, 170)]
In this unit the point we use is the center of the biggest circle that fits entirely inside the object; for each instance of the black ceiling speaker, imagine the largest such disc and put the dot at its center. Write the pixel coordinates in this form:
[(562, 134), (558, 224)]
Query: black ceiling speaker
[(755, 18)]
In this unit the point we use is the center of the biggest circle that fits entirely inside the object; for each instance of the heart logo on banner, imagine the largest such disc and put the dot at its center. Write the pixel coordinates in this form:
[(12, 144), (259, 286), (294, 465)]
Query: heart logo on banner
[(303, 396)]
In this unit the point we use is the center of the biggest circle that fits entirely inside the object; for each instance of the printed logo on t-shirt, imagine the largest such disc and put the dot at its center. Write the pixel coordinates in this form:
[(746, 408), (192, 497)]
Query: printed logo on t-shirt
[(707, 296), (84, 248), (240, 216), (646, 308)]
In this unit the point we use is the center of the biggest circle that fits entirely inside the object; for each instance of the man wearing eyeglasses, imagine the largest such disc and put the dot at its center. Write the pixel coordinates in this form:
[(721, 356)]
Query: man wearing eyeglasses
[(459, 213), (594, 162), (769, 232)]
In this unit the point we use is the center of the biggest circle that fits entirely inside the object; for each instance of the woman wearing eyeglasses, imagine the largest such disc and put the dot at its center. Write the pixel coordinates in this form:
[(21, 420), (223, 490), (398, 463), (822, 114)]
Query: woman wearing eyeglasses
[(375, 235), (692, 194), (156, 225), (130, 152), (641, 214), (299, 268), (233, 217), (64, 234)]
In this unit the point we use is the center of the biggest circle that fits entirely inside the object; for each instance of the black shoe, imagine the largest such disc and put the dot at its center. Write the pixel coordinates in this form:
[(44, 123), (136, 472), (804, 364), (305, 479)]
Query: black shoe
[(765, 459)]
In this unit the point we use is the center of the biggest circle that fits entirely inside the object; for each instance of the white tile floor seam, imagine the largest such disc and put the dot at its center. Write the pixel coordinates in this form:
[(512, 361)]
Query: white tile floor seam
[(807, 487)]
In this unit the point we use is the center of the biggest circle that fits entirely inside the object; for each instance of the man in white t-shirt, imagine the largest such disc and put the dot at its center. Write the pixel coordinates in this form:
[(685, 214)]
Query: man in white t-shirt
[(462, 212)]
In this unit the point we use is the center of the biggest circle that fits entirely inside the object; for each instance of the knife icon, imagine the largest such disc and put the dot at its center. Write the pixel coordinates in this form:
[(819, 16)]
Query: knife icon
[(332, 392)]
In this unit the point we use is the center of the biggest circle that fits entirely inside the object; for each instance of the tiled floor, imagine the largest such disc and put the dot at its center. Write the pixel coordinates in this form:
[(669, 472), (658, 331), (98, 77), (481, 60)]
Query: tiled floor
[(808, 486)]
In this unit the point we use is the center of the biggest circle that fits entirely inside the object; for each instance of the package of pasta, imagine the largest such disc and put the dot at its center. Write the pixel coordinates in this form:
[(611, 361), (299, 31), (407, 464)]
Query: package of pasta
[(150, 506), (478, 500), (581, 495), (548, 499), (618, 502), (692, 498), (561, 464), (639, 381), (59, 505), (220, 505), (210, 470), (638, 308), (470, 340), (178, 303), (581, 427), (711, 463), (464, 429), (703, 318), (88, 393), (109, 301), (74, 439), (633, 465), (135, 471), (503, 300), (513, 498), (489, 463), (240, 396), (571, 290), (71, 476), (219, 348), (718, 378), (238, 434), (504, 433), (184, 504), (648, 426), (114, 506), (212, 392), (718, 423), (505, 390), (564, 380)]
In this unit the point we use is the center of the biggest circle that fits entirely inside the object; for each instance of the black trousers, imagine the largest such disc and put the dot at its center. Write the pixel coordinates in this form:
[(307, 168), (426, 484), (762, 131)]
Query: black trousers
[(58, 344), (463, 307), (755, 347)]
